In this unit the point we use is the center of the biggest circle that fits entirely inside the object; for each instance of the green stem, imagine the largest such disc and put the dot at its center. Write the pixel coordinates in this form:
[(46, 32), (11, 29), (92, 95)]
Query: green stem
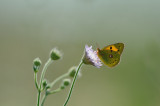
[(35, 80), (51, 85), (59, 78), (38, 98), (48, 93), (44, 70), (54, 91), (41, 79), (74, 80), (44, 98)]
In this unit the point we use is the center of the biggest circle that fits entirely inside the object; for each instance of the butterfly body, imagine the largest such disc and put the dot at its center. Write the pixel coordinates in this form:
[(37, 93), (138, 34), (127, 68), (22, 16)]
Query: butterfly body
[(110, 55)]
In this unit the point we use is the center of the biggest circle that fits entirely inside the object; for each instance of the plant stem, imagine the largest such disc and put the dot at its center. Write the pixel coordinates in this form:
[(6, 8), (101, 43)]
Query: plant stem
[(35, 80), (59, 78), (74, 80), (54, 91), (38, 98), (41, 79), (44, 70), (51, 85), (48, 93), (43, 100)]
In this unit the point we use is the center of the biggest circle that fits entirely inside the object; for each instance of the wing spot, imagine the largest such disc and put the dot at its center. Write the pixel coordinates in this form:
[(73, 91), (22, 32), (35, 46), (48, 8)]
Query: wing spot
[(110, 47), (110, 56)]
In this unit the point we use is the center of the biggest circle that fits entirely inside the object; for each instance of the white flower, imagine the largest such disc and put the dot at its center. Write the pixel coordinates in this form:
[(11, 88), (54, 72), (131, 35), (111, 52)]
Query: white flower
[(91, 57)]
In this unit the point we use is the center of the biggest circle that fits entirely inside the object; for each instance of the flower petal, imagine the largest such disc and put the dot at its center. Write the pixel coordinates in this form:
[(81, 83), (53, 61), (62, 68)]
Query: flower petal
[(91, 57)]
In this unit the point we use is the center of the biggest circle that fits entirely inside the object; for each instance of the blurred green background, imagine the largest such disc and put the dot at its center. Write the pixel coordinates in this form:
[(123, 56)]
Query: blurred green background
[(31, 28)]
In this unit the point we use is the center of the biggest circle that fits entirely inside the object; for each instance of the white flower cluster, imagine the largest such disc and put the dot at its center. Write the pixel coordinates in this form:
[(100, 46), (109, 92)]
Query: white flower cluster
[(91, 57)]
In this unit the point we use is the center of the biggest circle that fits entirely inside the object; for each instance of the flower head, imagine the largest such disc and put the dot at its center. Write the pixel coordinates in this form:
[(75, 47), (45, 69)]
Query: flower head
[(91, 57), (72, 72), (55, 54), (36, 64)]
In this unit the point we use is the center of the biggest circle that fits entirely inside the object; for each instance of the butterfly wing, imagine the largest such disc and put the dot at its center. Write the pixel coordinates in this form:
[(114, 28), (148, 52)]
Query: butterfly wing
[(110, 55), (118, 47)]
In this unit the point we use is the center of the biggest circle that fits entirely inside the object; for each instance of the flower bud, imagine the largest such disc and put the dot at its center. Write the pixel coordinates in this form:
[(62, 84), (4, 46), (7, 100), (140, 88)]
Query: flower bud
[(45, 83), (55, 54), (72, 71), (36, 64), (62, 86), (66, 82)]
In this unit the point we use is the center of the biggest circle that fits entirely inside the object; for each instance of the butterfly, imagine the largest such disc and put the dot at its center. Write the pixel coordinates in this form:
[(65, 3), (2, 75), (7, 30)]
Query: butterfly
[(110, 55)]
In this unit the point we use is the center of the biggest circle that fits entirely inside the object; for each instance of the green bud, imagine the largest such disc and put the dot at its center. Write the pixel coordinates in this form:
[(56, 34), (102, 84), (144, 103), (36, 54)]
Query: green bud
[(62, 86), (55, 54), (45, 83), (66, 82), (72, 72), (35, 68), (47, 92), (36, 64), (48, 86)]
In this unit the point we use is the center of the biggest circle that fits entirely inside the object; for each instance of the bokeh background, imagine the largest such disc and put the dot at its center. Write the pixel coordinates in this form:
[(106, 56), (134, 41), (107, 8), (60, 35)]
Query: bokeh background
[(31, 28)]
